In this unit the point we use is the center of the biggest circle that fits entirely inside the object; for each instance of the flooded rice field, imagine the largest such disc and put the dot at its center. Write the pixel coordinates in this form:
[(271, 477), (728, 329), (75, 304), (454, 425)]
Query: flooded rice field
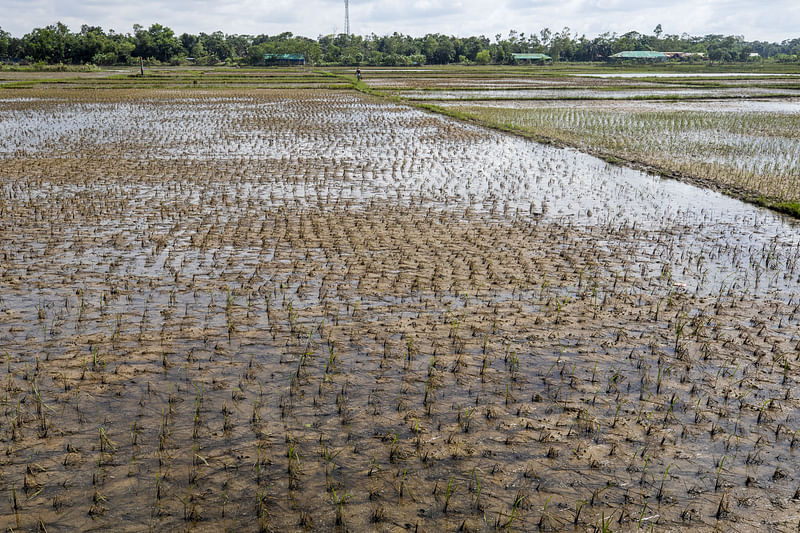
[(744, 105), (589, 93), (380, 79), (684, 75), (543, 78), (751, 154), (316, 310)]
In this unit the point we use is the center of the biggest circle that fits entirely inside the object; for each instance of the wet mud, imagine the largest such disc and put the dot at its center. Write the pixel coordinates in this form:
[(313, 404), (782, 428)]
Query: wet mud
[(318, 311)]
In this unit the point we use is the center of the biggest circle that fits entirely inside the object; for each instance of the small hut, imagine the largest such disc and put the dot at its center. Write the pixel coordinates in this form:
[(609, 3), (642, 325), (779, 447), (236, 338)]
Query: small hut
[(284, 59), (640, 55), (531, 58)]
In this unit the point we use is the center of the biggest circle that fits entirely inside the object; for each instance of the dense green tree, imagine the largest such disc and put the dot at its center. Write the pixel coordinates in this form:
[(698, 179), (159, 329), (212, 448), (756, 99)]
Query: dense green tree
[(472, 46), (721, 48), (92, 45), (123, 46), (51, 44), (630, 41), (791, 47), (255, 54), (157, 42), (217, 46), (562, 46), (333, 53), (445, 52), (239, 44), (188, 43), (55, 43), (5, 40)]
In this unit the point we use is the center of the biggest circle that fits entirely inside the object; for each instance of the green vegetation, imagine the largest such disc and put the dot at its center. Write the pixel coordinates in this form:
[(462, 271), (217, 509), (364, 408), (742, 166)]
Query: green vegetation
[(158, 45)]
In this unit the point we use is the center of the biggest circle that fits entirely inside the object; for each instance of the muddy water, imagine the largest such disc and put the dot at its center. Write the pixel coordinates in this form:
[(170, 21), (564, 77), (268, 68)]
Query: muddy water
[(358, 152), (317, 311), (750, 92), (790, 106), (687, 75)]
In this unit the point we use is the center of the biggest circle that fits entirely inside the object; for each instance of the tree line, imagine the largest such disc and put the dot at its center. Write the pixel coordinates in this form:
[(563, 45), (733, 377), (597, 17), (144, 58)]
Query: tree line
[(159, 44)]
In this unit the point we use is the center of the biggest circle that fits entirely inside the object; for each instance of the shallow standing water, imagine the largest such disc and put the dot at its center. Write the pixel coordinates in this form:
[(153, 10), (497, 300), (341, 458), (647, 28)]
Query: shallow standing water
[(316, 311), (374, 151)]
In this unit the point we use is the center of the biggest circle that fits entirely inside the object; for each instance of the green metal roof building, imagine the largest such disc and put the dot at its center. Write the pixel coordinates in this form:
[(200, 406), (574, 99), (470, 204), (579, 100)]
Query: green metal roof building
[(531, 57), (284, 59), (640, 54)]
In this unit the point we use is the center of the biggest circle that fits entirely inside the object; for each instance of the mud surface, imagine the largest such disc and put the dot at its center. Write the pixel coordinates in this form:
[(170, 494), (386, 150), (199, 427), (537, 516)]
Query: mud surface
[(588, 93), (789, 106), (287, 311)]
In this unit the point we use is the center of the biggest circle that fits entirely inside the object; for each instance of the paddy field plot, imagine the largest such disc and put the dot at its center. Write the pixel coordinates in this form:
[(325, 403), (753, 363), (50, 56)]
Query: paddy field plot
[(735, 132), (317, 310)]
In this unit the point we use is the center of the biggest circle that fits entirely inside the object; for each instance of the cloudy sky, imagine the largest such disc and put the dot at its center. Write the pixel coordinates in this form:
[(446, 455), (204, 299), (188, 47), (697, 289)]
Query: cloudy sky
[(771, 20)]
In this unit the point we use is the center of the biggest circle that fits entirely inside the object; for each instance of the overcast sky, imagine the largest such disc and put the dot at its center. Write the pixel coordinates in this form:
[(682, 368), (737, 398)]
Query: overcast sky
[(769, 20)]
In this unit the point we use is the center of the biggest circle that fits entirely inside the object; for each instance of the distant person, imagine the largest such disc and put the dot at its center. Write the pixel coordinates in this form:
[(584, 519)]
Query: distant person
[(358, 74)]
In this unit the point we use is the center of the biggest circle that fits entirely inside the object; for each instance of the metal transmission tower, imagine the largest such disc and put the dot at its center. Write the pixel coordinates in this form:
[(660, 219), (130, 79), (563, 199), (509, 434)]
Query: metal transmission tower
[(347, 17)]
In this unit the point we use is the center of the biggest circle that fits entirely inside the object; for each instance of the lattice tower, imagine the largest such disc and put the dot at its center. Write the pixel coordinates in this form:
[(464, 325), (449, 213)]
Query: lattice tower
[(347, 17)]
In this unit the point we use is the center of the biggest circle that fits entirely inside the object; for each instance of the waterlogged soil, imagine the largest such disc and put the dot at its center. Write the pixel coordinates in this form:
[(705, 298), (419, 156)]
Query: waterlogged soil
[(790, 106), (380, 80), (171, 77), (519, 78), (691, 75), (751, 92), (318, 311), (542, 80)]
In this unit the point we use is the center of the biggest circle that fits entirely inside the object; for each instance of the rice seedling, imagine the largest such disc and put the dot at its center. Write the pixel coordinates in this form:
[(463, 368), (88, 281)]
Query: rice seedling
[(675, 140), (448, 494), (448, 271)]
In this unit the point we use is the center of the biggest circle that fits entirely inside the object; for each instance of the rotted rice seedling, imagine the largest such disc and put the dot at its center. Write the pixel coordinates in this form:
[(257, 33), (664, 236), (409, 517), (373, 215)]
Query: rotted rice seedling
[(97, 508), (722, 507), (644, 469), (585, 290), (262, 510), (294, 463), (190, 509), (465, 417), (660, 494), (106, 446)]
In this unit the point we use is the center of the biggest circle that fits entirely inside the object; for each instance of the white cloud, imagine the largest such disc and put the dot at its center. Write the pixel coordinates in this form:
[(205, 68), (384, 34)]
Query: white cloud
[(773, 20)]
